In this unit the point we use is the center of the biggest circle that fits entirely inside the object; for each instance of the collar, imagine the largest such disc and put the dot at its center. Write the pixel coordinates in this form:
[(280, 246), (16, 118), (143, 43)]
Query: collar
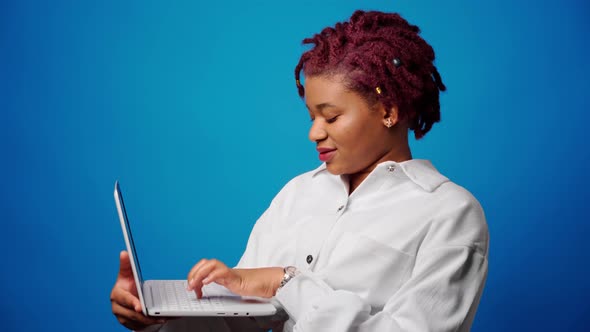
[(419, 171), (423, 173)]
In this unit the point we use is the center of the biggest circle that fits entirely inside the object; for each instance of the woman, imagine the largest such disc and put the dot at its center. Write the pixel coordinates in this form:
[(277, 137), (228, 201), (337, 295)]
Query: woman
[(372, 240)]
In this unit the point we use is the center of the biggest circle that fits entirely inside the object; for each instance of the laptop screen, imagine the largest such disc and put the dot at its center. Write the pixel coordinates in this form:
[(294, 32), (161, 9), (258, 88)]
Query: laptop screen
[(128, 228)]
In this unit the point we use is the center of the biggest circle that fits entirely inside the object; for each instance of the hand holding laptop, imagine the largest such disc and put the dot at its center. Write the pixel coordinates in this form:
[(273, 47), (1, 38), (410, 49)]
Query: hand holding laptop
[(125, 301)]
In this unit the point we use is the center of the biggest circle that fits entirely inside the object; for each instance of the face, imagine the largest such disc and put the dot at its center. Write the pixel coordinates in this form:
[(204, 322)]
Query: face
[(350, 135)]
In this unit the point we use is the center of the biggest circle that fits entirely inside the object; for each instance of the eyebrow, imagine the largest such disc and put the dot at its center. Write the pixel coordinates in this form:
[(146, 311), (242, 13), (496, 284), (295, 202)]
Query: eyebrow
[(322, 106)]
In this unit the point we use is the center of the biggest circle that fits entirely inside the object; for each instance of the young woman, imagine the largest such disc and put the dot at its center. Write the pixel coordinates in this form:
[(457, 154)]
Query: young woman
[(372, 240)]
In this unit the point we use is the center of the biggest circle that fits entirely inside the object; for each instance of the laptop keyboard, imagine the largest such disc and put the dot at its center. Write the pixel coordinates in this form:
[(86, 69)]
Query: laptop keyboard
[(171, 295)]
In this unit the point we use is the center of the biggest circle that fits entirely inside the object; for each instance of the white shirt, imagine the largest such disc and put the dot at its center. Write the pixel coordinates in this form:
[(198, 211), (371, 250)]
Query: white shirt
[(406, 251)]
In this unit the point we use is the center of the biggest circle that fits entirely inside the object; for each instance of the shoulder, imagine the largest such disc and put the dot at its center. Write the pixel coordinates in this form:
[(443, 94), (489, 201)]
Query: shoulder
[(456, 216), (460, 220), (438, 188), (453, 196)]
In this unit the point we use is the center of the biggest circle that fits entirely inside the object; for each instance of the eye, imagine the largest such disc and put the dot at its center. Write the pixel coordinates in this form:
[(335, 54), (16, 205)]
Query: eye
[(332, 119)]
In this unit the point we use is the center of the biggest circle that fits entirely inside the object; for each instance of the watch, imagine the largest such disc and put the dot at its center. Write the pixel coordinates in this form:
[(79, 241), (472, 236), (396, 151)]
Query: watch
[(290, 273)]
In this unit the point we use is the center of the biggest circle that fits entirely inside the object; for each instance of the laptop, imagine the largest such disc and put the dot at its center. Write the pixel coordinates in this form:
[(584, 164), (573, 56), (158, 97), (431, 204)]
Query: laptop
[(169, 298)]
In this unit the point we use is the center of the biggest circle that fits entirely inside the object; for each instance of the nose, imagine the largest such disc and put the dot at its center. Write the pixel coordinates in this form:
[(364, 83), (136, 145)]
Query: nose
[(317, 132)]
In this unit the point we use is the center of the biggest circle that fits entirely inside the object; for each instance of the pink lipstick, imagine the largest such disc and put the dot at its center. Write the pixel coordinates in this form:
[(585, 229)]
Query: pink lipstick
[(326, 154)]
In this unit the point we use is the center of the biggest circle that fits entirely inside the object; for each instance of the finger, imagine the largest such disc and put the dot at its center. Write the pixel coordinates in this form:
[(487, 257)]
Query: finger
[(195, 268), (198, 266), (219, 276), (199, 292), (201, 273), (124, 264), (133, 319), (125, 278), (125, 298), (196, 282), (127, 316)]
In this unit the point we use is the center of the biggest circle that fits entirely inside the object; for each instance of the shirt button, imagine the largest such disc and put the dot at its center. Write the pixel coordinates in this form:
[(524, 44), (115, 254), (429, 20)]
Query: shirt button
[(309, 259), (391, 168), (340, 208)]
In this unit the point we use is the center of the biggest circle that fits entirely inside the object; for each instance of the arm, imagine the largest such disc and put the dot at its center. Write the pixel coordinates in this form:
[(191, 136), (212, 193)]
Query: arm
[(441, 292), (441, 295), (440, 289)]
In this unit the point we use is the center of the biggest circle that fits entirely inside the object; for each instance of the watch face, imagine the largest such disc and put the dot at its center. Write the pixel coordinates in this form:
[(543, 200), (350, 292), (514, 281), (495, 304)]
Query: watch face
[(290, 273), (291, 270)]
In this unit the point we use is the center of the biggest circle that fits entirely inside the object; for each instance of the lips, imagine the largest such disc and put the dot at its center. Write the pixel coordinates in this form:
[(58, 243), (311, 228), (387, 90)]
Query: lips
[(326, 154)]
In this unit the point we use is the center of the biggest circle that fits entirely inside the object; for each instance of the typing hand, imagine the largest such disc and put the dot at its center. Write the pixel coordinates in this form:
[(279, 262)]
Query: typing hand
[(261, 282)]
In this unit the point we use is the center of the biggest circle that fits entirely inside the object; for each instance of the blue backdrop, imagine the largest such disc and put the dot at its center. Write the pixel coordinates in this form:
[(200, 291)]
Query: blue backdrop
[(192, 106)]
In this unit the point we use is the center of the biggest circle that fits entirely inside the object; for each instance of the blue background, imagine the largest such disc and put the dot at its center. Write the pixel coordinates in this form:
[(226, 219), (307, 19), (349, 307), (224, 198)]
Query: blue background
[(193, 107)]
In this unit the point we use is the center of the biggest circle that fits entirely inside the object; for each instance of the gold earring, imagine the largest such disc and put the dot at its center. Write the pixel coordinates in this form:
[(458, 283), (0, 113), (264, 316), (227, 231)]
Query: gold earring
[(388, 123)]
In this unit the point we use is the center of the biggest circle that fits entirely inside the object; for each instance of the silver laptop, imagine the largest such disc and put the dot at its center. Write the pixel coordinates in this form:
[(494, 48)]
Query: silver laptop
[(171, 299)]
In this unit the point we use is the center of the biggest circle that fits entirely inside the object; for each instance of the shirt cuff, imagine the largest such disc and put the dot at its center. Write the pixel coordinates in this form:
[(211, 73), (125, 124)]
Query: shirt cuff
[(300, 293)]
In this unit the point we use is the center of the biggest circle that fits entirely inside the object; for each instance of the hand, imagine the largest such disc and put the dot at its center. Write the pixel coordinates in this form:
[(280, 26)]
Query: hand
[(261, 282), (124, 299)]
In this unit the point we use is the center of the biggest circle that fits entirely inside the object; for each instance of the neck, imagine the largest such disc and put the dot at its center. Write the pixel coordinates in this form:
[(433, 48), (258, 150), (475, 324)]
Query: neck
[(398, 154)]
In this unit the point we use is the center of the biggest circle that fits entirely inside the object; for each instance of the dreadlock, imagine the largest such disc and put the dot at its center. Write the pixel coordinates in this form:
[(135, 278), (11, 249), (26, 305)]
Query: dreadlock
[(383, 58)]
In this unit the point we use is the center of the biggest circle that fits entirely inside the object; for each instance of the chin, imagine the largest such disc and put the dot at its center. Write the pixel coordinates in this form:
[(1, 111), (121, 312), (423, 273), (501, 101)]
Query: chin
[(334, 169)]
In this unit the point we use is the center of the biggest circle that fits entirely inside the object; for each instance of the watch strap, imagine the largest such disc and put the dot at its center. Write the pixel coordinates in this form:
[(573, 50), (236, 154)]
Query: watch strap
[(290, 272)]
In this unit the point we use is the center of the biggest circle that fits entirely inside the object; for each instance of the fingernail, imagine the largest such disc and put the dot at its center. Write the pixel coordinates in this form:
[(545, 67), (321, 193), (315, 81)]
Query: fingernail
[(189, 285), (161, 321), (206, 280)]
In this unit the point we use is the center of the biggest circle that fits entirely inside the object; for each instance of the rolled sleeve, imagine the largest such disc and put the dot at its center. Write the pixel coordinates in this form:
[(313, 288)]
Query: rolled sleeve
[(301, 294), (442, 295)]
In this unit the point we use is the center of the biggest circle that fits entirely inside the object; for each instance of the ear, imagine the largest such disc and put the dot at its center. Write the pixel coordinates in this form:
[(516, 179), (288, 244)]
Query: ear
[(390, 117)]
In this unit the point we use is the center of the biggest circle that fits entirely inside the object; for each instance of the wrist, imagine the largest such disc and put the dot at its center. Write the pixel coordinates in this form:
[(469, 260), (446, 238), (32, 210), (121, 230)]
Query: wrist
[(289, 272), (278, 274)]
